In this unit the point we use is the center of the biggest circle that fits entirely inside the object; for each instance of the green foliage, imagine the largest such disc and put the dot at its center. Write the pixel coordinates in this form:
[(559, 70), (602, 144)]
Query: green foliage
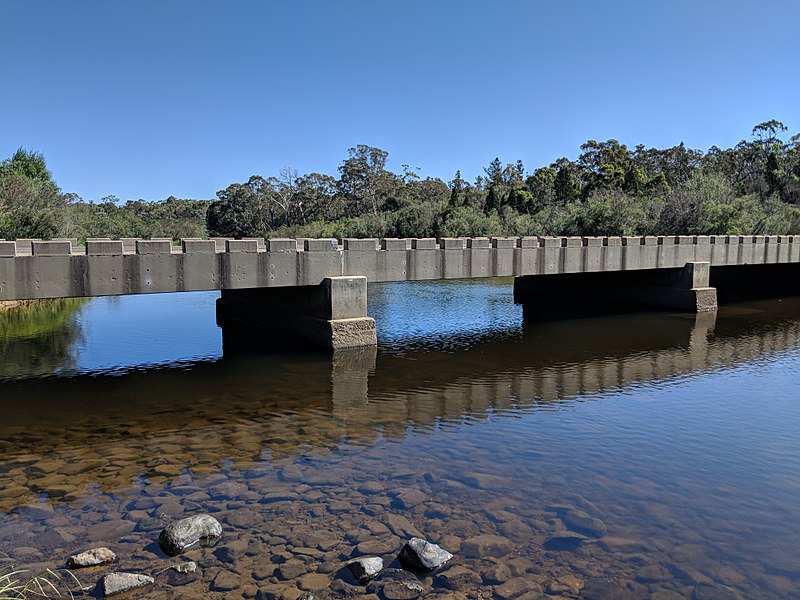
[(753, 187)]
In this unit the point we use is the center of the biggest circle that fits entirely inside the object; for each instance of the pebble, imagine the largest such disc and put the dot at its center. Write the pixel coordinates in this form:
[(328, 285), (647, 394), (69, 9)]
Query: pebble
[(421, 555), (91, 558), (117, 583)]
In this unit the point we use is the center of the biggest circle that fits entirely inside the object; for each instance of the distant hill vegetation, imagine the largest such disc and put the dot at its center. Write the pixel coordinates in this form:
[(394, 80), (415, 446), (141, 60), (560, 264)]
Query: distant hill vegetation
[(752, 188)]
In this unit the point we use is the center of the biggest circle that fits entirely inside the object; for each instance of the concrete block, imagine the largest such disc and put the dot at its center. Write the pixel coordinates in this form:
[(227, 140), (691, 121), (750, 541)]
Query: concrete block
[(199, 246), (104, 248), (685, 240), (632, 240), (129, 245), (51, 248), (504, 242), (281, 245), (528, 242), (221, 242), (572, 242), (361, 245), (650, 240), (479, 242), (8, 249), (702, 240), (25, 245), (423, 243), (153, 247), (745, 239), (321, 245), (452, 243), (612, 241), (249, 246), (395, 244), (550, 242), (591, 241)]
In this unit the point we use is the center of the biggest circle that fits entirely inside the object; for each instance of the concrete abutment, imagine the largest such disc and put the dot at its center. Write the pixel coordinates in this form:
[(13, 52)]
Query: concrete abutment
[(584, 294), (330, 315)]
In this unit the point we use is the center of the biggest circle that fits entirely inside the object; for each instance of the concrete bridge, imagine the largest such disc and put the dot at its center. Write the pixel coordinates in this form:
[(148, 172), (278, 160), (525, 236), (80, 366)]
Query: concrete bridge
[(315, 289)]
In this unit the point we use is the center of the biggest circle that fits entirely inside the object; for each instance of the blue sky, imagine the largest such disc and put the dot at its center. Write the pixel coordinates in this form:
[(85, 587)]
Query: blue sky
[(148, 99)]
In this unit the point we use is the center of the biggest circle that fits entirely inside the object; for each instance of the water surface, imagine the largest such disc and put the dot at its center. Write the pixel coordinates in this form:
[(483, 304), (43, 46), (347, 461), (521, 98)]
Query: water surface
[(653, 455)]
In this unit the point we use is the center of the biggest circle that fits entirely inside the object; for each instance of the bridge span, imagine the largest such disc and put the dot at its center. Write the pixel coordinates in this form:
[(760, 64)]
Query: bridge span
[(315, 289)]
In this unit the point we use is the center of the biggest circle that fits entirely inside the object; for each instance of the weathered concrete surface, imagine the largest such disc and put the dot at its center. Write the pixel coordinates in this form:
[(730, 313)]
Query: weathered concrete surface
[(332, 314), (31, 269)]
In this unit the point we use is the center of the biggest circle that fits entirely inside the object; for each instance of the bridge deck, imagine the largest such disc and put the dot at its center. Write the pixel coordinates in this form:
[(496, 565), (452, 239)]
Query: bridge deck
[(31, 269)]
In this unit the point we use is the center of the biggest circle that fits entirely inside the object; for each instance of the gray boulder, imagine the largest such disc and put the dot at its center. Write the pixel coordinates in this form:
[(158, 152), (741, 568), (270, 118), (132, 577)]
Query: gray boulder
[(91, 558), (365, 568), (183, 534), (420, 555), (116, 583)]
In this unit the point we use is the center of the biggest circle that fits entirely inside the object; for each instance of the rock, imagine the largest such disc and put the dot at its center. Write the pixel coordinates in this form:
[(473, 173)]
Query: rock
[(116, 583), (365, 568), (182, 534), (291, 570), (566, 541), (91, 558), (225, 581), (186, 567), (604, 590), (497, 574), (514, 588), (582, 522), (183, 573), (483, 546), (313, 581), (457, 578), (401, 526), (714, 591), (396, 584), (409, 499), (420, 555)]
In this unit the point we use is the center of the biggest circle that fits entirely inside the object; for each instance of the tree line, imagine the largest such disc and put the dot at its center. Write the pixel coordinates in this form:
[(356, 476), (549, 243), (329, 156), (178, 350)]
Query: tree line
[(610, 189)]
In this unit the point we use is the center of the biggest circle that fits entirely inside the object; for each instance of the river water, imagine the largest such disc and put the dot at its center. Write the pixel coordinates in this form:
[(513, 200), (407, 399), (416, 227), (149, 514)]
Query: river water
[(653, 455)]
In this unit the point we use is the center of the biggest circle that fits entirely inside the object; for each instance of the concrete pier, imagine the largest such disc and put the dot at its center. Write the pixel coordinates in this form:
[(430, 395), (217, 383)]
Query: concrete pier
[(567, 295), (331, 315)]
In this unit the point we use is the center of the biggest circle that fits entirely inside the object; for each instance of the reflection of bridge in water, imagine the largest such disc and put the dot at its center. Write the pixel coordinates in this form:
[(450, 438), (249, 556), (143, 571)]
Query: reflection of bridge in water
[(249, 411)]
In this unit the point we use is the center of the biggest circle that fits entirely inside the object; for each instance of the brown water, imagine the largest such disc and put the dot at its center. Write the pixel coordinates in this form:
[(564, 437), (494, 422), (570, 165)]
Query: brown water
[(678, 435)]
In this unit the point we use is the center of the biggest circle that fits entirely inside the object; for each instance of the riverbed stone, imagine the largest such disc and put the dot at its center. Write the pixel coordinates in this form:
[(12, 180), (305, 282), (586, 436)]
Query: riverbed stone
[(583, 522), (91, 558), (421, 555), (486, 545), (396, 584), (117, 583), (409, 498), (182, 534), (365, 568), (594, 589), (714, 591), (313, 581), (458, 577)]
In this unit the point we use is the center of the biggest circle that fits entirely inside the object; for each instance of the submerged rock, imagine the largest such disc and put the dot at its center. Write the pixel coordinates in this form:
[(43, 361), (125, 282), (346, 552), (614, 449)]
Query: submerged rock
[(365, 568), (180, 535), (116, 583), (420, 555), (396, 584), (582, 522), (91, 558)]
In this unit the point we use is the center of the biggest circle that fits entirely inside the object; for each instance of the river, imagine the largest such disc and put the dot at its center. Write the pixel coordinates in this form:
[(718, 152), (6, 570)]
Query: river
[(651, 455)]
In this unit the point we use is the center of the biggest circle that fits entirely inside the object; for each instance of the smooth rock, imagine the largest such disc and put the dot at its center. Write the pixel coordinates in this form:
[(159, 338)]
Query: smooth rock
[(483, 546), (604, 590), (396, 584), (582, 522), (420, 555), (409, 499), (91, 558), (182, 534), (186, 567), (116, 583), (365, 568), (458, 578)]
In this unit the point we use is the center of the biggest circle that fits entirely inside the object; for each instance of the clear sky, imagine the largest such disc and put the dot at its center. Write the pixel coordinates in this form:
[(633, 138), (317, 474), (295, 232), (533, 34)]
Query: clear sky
[(146, 99)]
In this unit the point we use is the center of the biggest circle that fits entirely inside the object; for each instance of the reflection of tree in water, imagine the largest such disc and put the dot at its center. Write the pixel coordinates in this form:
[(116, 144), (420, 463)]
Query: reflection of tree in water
[(38, 338)]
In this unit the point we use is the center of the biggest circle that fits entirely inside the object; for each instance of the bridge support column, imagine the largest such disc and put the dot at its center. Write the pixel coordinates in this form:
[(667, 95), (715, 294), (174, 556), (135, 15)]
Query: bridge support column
[(582, 294), (330, 315)]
